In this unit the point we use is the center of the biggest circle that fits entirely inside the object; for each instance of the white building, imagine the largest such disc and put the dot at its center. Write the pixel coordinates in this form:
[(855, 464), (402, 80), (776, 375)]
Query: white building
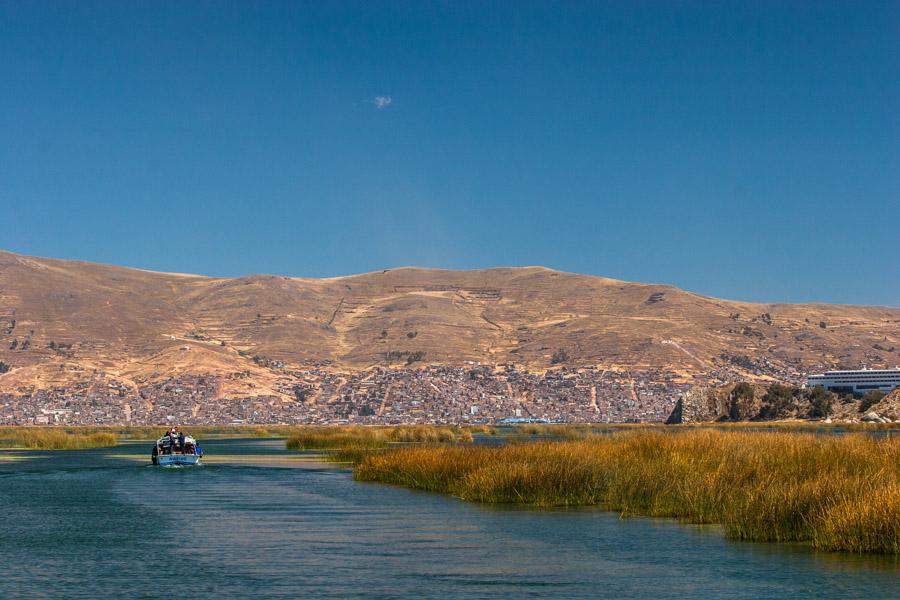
[(858, 382)]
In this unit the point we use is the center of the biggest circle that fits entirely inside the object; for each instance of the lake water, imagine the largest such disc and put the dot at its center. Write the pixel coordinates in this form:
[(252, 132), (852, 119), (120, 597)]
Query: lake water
[(102, 523)]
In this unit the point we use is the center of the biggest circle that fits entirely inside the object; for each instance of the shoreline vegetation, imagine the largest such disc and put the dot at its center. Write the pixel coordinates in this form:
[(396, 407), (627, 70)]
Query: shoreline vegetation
[(764, 482), (347, 443), (53, 438), (833, 492), (351, 444)]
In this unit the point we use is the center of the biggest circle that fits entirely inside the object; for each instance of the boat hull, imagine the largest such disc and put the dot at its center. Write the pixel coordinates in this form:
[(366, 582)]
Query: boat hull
[(181, 460)]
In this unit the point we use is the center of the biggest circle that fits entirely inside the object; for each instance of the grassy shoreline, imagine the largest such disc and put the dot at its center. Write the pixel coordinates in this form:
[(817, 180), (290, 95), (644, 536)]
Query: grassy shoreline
[(834, 492), (349, 444), (50, 438), (319, 438)]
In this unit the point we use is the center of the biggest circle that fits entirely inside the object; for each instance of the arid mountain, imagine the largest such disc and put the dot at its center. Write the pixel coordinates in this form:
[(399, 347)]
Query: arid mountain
[(61, 319)]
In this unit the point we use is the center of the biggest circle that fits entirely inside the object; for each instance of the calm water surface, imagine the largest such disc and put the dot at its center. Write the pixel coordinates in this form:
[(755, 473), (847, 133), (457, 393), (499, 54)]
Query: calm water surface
[(99, 523)]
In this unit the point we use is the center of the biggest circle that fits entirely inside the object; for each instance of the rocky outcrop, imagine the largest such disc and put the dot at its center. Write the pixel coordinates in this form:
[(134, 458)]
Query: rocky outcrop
[(697, 405), (761, 402), (873, 417), (889, 406)]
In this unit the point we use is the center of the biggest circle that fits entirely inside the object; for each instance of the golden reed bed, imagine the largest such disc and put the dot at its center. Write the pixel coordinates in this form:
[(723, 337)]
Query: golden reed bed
[(51, 438), (316, 438), (835, 492)]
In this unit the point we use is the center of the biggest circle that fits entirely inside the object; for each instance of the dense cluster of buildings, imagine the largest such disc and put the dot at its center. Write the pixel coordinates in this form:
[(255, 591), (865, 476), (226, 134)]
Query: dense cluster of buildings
[(435, 394)]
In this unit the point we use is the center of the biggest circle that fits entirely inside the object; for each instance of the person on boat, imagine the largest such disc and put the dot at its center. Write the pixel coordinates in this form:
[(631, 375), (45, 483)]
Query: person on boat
[(181, 441), (168, 441)]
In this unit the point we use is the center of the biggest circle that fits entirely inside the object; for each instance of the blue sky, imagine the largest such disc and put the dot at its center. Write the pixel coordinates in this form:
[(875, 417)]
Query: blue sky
[(741, 150)]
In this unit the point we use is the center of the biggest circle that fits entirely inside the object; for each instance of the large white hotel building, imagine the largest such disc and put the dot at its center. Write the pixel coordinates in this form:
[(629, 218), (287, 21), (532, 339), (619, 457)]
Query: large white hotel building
[(858, 382)]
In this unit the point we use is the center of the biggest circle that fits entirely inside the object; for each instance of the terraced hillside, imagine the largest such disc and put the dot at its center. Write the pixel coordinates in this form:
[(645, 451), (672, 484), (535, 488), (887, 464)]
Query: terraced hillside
[(60, 320)]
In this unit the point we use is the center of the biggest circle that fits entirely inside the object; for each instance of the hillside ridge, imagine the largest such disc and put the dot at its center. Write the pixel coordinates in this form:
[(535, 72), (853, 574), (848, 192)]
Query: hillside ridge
[(57, 315)]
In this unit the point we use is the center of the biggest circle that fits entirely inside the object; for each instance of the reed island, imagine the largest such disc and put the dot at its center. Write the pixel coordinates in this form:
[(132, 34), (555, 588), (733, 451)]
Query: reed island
[(834, 491)]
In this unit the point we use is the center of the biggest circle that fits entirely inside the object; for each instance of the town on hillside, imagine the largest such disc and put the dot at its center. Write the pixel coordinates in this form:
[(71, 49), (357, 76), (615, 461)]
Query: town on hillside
[(473, 393)]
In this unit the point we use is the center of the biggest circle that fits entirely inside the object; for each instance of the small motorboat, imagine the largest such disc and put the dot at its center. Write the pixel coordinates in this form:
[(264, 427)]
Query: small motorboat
[(176, 449)]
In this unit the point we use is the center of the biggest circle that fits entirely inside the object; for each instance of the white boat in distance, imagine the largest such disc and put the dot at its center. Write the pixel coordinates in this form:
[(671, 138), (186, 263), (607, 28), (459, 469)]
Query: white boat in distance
[(181, 450)]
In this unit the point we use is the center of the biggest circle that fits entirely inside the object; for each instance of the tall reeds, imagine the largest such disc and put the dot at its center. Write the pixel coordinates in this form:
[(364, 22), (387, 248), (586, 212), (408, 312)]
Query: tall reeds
[(356, 437), (837, 492), (48, 438)]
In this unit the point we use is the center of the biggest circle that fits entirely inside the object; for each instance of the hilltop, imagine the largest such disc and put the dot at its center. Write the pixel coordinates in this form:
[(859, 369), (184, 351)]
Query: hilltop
[(61, 319)]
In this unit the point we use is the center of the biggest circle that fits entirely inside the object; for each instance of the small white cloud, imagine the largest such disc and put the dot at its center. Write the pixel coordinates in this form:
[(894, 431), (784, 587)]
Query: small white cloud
[(381, 101)]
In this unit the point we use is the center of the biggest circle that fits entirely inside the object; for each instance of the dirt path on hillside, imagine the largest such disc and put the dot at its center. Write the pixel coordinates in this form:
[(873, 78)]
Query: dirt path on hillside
[(384, 401)]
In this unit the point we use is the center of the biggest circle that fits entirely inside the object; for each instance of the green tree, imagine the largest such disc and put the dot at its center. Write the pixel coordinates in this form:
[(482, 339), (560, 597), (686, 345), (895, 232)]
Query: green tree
[(820, 400), (778, 400), (300, 393), (869, 400), (559, 357), (741, 401), (415, 357)]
